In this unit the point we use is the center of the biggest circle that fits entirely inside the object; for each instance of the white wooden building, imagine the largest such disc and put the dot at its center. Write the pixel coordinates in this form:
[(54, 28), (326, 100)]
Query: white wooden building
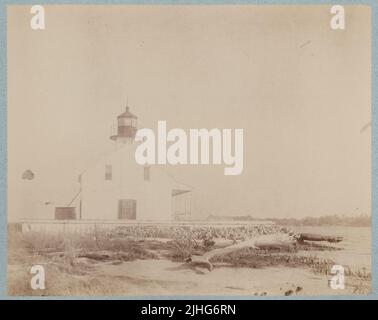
[(116, 187)]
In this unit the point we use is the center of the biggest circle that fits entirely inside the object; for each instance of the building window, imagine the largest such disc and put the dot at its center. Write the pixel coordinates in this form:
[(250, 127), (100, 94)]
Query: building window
[(146, 173), (127, 209), (108, 172)]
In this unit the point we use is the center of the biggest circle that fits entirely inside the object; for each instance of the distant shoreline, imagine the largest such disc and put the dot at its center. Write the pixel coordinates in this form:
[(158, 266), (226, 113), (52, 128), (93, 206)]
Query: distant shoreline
[(362, 220)]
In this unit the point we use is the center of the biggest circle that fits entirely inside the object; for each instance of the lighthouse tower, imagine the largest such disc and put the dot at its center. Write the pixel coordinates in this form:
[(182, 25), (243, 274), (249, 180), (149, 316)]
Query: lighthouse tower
[(126, 128)]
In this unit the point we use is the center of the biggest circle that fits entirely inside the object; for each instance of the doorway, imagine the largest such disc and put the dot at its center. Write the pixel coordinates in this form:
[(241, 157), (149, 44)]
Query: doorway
[(127, 209)]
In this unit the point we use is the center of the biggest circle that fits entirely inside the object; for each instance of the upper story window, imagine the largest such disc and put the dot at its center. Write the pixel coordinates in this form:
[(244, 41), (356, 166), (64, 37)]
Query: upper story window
[(146, 173), (108, 172)]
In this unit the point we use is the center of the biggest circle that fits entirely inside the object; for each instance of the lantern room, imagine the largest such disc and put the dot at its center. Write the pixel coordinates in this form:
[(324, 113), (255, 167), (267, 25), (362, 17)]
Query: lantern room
[(126, 127)]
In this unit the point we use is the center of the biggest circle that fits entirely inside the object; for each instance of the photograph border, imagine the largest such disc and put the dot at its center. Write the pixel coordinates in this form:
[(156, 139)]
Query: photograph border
[(3, 142)]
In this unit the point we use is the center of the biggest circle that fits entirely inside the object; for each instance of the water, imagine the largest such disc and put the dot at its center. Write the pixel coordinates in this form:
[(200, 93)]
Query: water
[(356, 245)]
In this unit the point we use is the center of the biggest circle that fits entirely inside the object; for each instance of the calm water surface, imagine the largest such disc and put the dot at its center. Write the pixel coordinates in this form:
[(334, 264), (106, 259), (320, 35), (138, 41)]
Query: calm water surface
[(356, 245)]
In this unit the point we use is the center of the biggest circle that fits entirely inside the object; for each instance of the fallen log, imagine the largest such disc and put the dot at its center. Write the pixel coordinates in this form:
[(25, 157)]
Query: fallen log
[(317, 237), (275, 245), (94, 256), (264, 241), (259, 244), (267, 242)]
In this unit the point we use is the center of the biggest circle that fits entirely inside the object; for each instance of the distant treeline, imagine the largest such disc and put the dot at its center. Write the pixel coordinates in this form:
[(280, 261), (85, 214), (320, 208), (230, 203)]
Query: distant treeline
[(362, 220)]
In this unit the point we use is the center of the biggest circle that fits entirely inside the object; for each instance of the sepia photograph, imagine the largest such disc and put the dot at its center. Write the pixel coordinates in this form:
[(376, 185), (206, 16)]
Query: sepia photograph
[(189, 150)]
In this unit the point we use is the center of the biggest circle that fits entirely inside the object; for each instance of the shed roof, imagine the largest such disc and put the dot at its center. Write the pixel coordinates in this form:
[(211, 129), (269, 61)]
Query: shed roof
[(177, 192)]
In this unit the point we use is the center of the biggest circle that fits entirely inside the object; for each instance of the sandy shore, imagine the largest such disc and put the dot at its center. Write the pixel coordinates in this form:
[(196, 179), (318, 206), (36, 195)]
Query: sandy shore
[(118, 266), (166, 278)]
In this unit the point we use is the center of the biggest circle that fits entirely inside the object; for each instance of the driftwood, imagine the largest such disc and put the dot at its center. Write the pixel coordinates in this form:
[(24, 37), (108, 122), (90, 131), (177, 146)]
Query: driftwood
[(275, 245), (317, 237), (101, 256), (265, 242)]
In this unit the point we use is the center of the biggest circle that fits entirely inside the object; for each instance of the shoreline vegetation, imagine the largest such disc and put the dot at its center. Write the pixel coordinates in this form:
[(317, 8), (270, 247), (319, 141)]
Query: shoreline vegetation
[(85, 263), (361, 220)]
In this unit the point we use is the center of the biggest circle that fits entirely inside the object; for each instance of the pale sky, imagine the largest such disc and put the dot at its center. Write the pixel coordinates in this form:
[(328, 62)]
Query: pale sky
[(300, 91)]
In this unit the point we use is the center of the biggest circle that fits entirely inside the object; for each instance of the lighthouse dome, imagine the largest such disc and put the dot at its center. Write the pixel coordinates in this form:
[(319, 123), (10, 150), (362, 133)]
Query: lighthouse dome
[(127, 114)]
